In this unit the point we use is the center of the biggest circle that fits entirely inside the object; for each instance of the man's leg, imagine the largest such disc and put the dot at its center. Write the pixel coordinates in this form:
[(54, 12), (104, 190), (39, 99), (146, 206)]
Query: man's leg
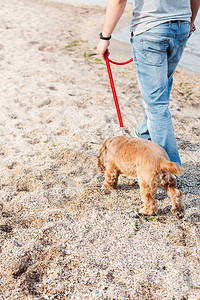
[(142, 131), (152, 52)]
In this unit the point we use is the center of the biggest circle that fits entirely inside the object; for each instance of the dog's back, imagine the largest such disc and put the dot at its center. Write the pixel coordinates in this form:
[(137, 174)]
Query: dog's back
[(129, 153)]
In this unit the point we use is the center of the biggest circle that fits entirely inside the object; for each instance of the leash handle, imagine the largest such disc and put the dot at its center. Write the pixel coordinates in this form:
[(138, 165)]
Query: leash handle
[(122, 63), (113, 90)]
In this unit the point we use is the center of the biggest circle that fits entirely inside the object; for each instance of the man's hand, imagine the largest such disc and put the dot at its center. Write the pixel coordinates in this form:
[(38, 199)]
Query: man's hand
[(103, 47), (192, 28)]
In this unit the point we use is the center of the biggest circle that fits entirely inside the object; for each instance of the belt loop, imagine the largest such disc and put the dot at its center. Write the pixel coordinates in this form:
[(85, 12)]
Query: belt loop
[(170, 24), (179, 23)]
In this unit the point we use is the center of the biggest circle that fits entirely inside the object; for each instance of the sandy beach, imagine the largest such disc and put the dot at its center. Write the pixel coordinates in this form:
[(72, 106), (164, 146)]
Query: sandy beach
[(62, 236)]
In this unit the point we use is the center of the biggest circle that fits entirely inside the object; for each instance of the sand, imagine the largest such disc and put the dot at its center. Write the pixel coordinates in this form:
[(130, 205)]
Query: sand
[(62, 236)]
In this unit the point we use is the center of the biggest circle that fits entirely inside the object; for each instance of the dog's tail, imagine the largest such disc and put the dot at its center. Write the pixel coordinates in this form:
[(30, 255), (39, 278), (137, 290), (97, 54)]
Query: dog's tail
[(101, 157), (171, 167)]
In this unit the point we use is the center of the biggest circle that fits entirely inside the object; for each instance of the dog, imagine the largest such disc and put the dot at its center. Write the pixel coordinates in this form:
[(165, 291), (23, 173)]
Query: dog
[(148, 162)]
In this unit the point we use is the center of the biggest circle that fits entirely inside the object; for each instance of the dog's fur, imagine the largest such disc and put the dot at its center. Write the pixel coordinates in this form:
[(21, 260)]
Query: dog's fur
[(146, 160)]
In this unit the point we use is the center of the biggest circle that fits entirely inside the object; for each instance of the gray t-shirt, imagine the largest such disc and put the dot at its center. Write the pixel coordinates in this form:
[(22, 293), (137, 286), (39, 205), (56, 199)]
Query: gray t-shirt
[(149, 13)]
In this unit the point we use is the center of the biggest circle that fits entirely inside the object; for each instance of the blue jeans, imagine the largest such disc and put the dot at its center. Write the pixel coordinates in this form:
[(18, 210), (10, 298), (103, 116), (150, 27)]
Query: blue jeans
[(156, 54)]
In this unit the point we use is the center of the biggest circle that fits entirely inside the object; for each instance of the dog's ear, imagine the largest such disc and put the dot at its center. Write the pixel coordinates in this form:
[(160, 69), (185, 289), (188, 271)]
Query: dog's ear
[(100, 164), (101, 158)]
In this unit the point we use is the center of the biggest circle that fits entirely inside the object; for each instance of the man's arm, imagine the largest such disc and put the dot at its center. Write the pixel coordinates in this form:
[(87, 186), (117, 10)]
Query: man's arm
[(194, 8), (114, 11)]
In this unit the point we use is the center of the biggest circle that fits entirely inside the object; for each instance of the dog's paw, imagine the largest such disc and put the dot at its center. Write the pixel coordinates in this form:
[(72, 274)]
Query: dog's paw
[(108, 186), (178, 212), (148, 212)]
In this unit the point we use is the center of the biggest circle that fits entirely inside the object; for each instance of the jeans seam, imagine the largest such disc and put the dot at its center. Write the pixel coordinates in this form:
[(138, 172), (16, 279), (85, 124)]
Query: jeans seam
[(160, 34), (152, 41)]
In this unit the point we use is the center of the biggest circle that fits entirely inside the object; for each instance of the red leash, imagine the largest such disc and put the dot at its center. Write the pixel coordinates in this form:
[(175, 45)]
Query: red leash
[(113, 85)]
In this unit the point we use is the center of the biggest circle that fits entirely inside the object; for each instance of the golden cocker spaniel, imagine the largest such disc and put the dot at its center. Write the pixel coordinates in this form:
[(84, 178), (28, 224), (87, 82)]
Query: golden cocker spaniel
[(146, 160)]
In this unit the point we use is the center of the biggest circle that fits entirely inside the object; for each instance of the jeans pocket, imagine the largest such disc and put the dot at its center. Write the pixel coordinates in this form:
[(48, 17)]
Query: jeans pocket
[(155, 52)]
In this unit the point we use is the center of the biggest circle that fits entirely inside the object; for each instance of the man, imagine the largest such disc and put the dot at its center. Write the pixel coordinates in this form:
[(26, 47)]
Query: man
[(159, 33)]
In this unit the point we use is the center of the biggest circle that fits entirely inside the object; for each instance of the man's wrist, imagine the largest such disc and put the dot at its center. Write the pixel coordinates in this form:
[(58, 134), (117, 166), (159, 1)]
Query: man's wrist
[(107, 38)]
